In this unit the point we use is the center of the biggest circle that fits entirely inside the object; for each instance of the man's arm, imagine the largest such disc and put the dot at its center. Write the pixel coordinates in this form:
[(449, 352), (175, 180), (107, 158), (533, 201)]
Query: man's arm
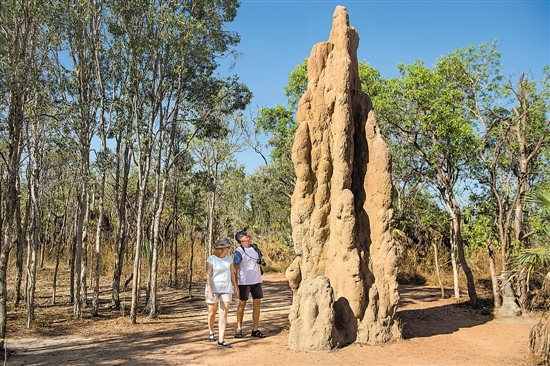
[(237, 258), (236, 271)]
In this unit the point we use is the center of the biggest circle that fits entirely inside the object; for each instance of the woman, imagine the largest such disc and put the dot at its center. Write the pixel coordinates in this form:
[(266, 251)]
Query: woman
[(220, 285)]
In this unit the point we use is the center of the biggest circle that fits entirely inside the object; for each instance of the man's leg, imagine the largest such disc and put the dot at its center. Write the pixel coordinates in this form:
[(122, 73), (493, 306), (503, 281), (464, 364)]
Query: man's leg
[(240, 314), (256, 313)]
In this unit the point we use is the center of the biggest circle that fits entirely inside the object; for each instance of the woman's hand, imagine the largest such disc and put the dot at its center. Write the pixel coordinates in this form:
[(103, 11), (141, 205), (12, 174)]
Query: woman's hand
[(236, 290)]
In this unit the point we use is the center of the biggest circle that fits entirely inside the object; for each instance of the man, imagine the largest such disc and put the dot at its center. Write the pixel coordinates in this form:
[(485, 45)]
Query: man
[(246, 263)]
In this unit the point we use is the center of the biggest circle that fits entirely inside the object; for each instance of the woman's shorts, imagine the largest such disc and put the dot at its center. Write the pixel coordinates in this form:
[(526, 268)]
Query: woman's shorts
[(217, 297)]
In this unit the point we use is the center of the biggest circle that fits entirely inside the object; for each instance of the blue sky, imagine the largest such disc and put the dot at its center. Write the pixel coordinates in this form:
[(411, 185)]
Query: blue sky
[(276, 36)]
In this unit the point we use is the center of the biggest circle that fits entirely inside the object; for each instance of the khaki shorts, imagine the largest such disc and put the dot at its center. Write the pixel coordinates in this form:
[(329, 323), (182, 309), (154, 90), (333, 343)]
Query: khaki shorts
[(217, 297)]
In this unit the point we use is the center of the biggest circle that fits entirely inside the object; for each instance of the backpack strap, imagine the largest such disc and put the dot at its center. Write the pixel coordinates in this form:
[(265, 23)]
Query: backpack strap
[(255, 246)]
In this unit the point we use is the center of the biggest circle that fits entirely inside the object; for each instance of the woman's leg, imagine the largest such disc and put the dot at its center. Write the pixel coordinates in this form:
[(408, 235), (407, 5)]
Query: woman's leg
[(212, 308), (222, 321)]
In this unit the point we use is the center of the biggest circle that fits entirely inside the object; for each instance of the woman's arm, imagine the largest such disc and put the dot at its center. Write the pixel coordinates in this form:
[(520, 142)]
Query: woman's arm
[(209, 270)]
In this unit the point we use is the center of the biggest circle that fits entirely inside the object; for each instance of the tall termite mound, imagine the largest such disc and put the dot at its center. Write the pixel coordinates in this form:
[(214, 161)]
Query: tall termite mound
[(344, 275)]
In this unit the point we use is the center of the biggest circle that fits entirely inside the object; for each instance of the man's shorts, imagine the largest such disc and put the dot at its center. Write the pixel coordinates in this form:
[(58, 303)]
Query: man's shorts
[(217, 297), (255, 290)]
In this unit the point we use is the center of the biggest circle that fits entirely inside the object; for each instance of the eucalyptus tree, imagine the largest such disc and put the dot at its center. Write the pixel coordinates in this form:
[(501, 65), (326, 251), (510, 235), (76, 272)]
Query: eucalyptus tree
[(123, 158), (214, 155), (192, 201), (163, 165), (18, 30), (125, 66), (219, 120), (83, 32), (105, 77), (418, 218), (34, 167), (511, 126), (279, 123), (234, 211), (530, 124), (512, 132), (57, 185), (41, 110), (270, 187), (527, 152), (27, 33), (103, 162), (142, 38), (184, 206), (480, 233), (170, 51), (422, 108)]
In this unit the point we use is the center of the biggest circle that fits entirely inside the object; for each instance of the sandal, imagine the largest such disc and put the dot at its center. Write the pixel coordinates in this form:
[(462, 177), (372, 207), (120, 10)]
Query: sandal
[(211, 337), (257, 334), (224, 345), (239, 333)]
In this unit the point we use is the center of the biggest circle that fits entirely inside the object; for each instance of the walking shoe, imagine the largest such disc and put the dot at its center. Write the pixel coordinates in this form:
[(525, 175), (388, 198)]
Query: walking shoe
[(211, 337), (257, 334), (224, 345)]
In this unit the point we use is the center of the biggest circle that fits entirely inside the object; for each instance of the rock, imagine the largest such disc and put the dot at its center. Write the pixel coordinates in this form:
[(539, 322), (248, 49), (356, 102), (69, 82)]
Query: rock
[(341, 206)]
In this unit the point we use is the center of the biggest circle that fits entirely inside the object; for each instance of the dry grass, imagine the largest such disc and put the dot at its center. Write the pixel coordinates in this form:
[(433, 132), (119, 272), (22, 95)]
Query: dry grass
[(107, 265), (417, 266), (49, 316), (277, 256)]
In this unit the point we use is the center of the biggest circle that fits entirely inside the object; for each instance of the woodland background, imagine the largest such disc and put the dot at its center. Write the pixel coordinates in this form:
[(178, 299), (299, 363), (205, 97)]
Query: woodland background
[(117, 145)]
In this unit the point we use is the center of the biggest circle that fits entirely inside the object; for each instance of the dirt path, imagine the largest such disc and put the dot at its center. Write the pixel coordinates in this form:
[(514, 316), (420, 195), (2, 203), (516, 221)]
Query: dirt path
[(437, 332)]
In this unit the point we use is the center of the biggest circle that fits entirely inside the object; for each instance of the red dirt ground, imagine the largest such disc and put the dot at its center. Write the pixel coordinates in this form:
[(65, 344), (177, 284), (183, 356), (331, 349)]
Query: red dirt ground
[(436, 332)]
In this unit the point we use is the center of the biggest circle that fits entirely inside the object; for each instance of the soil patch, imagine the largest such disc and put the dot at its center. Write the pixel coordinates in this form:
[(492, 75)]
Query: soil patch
[(437, 332)]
